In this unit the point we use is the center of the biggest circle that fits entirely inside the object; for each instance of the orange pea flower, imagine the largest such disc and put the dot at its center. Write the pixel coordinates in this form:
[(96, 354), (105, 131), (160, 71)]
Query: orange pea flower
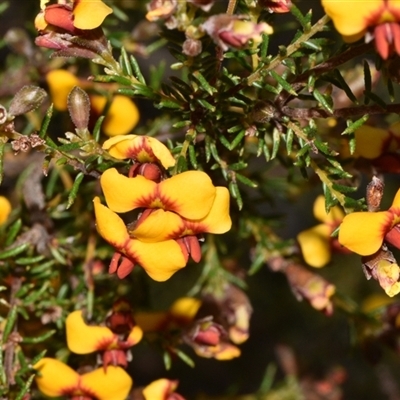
[(81, 14), (364, 232), (143, 149), (377, 18), (316, 243), (176, 211), (162, 389), (57, 379), (84, 339)]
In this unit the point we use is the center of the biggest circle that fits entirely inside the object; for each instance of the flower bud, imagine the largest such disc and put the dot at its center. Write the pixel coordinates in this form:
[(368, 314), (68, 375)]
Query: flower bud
[(161, 9), (79, 108), (205, 332), (276, 6), (27, 99), (192, 47), (233, 31)]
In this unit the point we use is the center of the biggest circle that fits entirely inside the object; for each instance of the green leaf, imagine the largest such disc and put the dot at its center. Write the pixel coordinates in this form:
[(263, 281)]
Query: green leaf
[(343, 85), (324, 100), (14, 251), (353, 126), (46, 122), (204, 83), (137, 73), (245, 180), (285, 85)]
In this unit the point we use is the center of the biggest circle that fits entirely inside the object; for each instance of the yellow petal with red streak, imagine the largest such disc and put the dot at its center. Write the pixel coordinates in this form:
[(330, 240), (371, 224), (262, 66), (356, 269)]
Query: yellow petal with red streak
[(83, 338), (109, 225), (160, 225), (160, 260), (159, 389), (351, 18), (112, 383), (125, 194), (363, 232), (190, 194), (55, 377)]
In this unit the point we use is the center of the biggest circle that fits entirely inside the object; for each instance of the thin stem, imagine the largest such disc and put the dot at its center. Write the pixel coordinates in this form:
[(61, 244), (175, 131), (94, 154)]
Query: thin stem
[(292, 48), (231, 7)]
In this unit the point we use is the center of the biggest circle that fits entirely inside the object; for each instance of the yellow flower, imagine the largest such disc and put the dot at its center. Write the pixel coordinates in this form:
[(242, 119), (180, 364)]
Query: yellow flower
[(84, 14), (58, 379), (162, 389), (122, 115), (373, 142), (316, 242), (84, 339), (5, 209), (143, 149), (354, 18), (160, 260), (364, 232)]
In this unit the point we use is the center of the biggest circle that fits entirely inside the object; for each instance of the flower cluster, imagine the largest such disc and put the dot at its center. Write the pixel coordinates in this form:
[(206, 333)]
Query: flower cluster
[(174, 210), (109, 382)]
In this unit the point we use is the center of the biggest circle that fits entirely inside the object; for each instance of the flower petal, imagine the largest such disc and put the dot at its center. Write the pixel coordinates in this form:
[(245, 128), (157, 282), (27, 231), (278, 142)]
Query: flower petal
[(61, 82), (396, 203), (335, 213), (140, 148), (314, 244), (135, 336), (159, 389), (122, 115), (190, 194), (83, 338), (5, 209), (363, 232), (185, 308), (152, 321), (55, 377), (112, 383), (370, 141), (125, 194), (90, 14), (160, 260), (218, 219), (160, 225), (351, 18), (110, 226)]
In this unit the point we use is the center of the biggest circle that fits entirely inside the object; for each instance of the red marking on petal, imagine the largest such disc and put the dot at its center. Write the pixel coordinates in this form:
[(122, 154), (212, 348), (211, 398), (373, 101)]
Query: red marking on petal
[(114, 357), (396, 37)]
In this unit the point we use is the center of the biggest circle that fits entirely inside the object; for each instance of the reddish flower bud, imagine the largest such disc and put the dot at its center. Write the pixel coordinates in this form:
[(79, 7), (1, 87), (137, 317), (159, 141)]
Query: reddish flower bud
[(60, 16), (276, 6), (79, 107), (27, 99)]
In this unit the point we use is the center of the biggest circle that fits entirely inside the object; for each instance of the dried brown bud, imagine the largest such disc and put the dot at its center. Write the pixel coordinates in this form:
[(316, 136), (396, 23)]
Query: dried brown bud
[(79, 108), (374, 194), (36, 140), (27, 99), (21, 144)]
